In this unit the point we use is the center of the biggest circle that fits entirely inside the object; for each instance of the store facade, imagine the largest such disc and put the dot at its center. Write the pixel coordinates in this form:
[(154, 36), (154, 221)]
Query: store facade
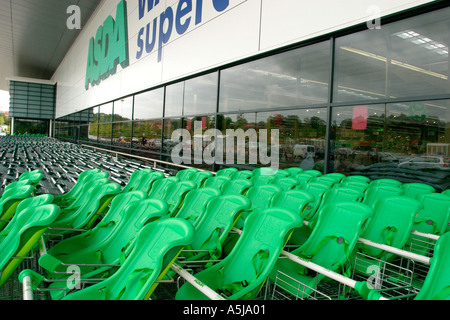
[(355, 88)]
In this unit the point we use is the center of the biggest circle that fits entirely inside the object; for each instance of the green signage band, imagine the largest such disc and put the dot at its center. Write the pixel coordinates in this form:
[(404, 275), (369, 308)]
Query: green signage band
[(109, 47)]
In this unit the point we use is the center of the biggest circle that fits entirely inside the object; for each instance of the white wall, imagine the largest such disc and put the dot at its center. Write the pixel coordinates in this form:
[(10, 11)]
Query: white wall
[(243, 29)]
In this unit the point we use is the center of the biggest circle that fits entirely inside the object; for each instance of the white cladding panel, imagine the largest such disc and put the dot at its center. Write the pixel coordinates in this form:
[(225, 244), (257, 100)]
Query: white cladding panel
[(213, 37)]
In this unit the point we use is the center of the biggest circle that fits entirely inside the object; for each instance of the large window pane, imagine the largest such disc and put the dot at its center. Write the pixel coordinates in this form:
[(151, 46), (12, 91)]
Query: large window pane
[(123, 109), (121, 134), (104, 133), (301, 136), (149, 105), (147, 135), (295, 78), (408, 58), (409, 142), (170, 125), (105, 112), (200, 95), (174, 100)]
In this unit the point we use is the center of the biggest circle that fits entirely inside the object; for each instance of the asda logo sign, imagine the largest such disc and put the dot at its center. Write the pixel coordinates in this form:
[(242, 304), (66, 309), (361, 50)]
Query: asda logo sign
[(177, 19), (108, 48), (157, 24)]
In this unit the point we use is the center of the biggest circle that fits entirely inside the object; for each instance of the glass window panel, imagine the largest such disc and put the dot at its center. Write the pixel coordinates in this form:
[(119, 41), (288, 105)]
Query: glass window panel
[(174, 100), (149, 105), (294, 78), (409, 142), (170, 125), (95, 115), (105, 112), (200, 95), (93, 132), (301, 136), (408, 58), (147, 135), (104, 133), (121, 134), (357, 134), (123, 109)]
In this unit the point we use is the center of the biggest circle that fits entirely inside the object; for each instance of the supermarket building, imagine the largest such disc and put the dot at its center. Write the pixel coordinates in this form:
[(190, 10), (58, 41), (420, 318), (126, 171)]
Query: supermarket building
[(350, 86)]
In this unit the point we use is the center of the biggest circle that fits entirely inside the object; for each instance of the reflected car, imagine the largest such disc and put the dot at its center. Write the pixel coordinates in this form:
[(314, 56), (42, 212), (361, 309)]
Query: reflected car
[(425, 161)]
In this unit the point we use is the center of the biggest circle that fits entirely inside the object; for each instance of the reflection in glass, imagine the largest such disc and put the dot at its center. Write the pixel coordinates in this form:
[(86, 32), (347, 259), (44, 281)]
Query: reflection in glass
[(123, 109), (408, 58), (409, 142), (200, 95), (294, 78), (170, 125), (149, 105), (105, 112), (147, 135), (301, 136), (174, 100), (104, 133), (121, 135)]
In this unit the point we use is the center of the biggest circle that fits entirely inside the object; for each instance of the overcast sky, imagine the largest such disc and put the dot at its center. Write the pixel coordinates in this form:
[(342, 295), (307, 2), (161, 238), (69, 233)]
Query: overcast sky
[(4, 100)]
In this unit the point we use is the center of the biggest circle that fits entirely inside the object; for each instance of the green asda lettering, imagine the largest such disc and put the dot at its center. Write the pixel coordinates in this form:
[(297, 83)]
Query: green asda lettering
[(109, 47)]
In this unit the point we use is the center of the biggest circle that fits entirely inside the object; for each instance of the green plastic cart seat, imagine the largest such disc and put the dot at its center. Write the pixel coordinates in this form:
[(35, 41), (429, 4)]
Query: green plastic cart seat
[(113, 220), (261, 196), (242, 174), (156, 246), (329, 181), (86, 178), (437, 281), (282, 174), (237, 186), (391, 225), (386, 182), (22, 234), (295, 200), (162, 187), (287, 183), (15, 184), (316, 190), (356, 185), (176, 194), (34, 176), (216, 182), (142, 180), (78, 198), (213, 227), (226, 172), (335, 175), (200, 177), (330, 244), (374, 193), (358, 178), (446, 192), (260, 179), (82, 178), (90, 248), (186, 174), (10, 200), (434, 216), (241, 274), (194, 204), (414, 189), (303, 178), (264, 171), (337, 195), (294, 171), (313, 173), (98, 198)]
